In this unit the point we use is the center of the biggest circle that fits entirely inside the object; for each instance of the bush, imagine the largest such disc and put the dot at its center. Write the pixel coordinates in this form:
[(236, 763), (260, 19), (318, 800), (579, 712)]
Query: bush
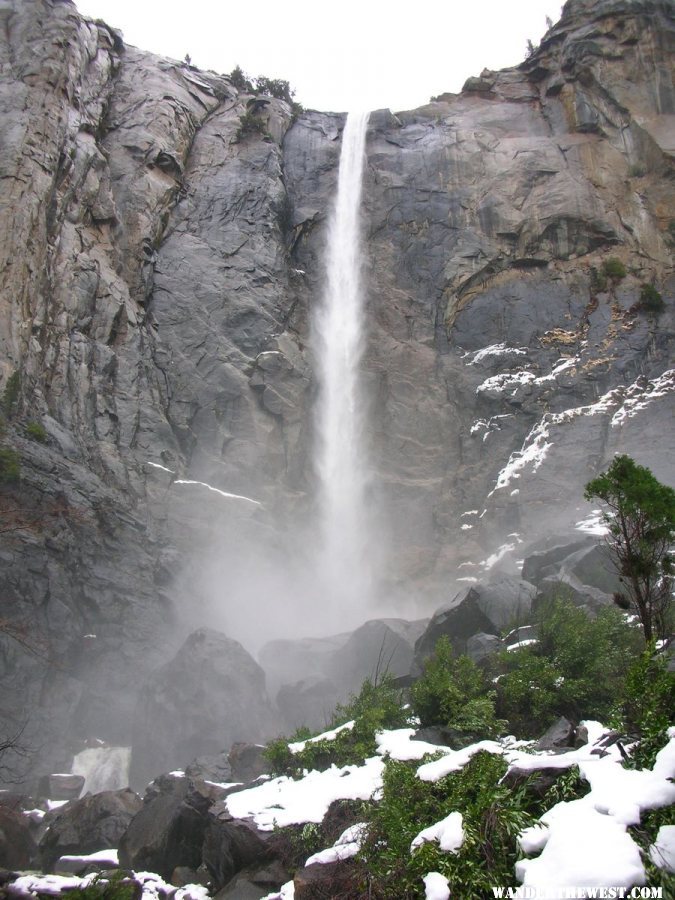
[(377, 706), (651, 300), (241, 81), (649, 705), (577, 669), (36, 432), (10, 466), (637, 170), (453, 692), (493, 816), (614, 268), (250, 123)]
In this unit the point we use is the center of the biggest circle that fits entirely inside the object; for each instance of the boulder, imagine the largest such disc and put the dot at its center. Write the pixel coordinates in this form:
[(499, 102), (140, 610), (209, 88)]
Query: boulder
[(482, 609), (60, 787), (247, 762), (506, 601), (211, 694), (168, 831), (542, 563), (521, 635), (255, 882), (211, 768), (231, 845), (309, 702), (480, 646), (379, 646), (17, 846), (96, 822), (560, 736), (458, 620)]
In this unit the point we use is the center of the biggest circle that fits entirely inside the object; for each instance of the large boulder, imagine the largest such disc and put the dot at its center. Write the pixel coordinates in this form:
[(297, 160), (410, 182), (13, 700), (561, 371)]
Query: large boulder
[(168, 831), (96, 822), (484, 608), (231, 845), (17, 847), (211, 694)]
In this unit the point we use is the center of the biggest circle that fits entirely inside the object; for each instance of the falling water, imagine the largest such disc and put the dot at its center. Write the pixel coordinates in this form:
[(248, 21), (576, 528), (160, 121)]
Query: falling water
[(341, 458)]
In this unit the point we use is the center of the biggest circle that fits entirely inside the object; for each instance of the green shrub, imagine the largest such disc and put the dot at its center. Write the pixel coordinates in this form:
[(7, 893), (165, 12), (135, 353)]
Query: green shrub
[(241, 81), (36, 432), (377, 706), (493, 816), (651, 300), (648, 705), (250, 123), (614, 268), (118, 886), (644, 835), (637, 170), (10, 466), (10, 395), (577, 668), (453, 692)]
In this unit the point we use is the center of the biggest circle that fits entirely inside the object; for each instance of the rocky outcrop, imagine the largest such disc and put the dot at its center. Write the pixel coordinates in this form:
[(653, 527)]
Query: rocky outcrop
[(211, 693), (158, 271)]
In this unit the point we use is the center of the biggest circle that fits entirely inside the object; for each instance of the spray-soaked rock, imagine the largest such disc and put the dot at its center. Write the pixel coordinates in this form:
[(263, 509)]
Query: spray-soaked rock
[(96, 822), (211, 694)]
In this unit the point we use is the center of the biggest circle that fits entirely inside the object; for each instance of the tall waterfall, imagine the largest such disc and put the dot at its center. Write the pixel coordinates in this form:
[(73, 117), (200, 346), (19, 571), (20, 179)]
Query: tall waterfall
[(341, 455)]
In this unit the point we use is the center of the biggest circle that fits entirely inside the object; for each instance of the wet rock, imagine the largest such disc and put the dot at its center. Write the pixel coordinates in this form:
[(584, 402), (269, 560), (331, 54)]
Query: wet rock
[(168, 831), (96, 822), (17, 846), (560, 736), (247, 762), (324, 880), (215, 689), (481, 646), (231, 845), (60, 787), (458, 621)]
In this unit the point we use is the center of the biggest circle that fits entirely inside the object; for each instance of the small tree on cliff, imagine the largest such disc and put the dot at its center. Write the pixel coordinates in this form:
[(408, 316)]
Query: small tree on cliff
[(641, 519)]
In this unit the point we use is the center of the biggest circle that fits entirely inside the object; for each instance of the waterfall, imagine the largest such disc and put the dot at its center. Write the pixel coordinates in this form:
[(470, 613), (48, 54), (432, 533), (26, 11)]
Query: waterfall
[(341, 454)]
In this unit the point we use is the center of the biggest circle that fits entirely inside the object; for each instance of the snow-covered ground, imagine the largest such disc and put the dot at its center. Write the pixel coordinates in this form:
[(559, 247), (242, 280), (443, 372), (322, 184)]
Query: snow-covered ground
[(582, 842)]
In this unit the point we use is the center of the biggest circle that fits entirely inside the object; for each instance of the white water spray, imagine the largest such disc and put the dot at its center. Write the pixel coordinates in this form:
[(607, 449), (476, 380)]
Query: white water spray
[(341, 458)]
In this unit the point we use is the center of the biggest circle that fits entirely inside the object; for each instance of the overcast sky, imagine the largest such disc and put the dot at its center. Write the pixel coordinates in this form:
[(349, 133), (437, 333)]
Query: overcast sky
[(341, 55)]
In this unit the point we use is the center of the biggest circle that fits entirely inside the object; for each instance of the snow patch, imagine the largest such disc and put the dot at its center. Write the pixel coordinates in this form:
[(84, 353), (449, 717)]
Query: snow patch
[(436, 886), (449, 833)]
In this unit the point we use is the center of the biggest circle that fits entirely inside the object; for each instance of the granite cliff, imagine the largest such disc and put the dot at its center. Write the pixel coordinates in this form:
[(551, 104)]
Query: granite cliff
[(158, 266)]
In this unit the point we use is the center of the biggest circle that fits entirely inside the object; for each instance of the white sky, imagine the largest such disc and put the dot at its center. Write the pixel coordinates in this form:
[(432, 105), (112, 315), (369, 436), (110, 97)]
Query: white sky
[(343, 55)]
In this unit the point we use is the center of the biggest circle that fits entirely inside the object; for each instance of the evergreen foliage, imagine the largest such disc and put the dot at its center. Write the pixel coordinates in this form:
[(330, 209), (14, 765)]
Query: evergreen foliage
[(377, 706), (641, 520), (453, 692), (613, 268), (576, 669)]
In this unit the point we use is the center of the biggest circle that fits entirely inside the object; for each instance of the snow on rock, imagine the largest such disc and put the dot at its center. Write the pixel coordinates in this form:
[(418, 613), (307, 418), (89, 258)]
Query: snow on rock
[(299, 746), (449, 833), (346, 846), (662, 851), (283, 801), (583, 847), (399, 744), (493, 350), (622, 402), (52, 885), (287, 892), (505, 381), (593, 524), (641, 393), (436, 886), (103, 857)]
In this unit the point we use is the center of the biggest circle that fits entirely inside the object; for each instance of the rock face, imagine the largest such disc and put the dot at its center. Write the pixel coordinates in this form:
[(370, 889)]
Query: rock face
[(158, 271), (209, 695)]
